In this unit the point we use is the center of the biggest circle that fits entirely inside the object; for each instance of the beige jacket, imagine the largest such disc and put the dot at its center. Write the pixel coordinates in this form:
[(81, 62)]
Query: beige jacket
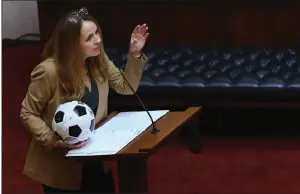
[(44, 163)]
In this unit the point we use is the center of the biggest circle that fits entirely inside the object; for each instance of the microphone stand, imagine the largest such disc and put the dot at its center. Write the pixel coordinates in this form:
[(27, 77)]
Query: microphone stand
[(155, 130)]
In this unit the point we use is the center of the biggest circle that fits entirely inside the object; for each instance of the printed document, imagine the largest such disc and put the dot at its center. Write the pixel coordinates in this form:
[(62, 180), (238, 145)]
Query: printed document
[(116, 133)]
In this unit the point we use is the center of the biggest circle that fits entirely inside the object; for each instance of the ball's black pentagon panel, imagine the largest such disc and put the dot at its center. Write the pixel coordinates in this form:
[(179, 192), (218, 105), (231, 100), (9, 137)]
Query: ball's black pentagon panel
[(80, 110), (59, 116), (92, 126), (74, 131)]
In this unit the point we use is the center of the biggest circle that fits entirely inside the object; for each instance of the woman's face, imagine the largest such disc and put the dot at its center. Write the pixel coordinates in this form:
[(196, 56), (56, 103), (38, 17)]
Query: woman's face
[(90, 39)]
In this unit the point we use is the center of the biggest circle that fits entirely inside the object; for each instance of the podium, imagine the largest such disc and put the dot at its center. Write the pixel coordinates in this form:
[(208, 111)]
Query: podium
[(132, 159)]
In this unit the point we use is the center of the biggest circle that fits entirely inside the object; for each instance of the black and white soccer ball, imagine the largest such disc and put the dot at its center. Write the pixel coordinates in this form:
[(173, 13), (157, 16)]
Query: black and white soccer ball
[(74, 122)]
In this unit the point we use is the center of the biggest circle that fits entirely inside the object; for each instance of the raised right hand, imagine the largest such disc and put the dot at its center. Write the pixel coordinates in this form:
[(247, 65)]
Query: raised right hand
[(61, 144)]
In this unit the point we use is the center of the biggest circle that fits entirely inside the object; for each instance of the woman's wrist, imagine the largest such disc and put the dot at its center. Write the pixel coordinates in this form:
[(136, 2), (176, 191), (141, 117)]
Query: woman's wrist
[(137, 54)]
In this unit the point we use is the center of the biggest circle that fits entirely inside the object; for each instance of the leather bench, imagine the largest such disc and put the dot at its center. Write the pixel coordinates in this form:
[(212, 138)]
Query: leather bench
[(196, 76)]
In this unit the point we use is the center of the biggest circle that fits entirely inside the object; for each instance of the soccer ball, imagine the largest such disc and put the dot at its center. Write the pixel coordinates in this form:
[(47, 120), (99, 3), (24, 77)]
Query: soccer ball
[(73, 122)]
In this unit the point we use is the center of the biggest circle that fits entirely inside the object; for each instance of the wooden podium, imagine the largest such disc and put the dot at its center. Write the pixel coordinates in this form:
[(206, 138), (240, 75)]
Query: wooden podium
[(132, 159)]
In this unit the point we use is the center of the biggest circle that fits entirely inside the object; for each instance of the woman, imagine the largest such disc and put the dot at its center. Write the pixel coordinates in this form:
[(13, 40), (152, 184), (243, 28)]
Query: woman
[(74, 67)]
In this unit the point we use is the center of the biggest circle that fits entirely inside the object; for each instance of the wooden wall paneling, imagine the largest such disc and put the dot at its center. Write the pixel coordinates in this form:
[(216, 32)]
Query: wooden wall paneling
[(211, 23)]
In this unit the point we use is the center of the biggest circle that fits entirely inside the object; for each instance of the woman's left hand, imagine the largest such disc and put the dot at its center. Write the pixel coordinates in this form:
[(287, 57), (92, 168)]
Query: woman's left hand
[(138, 39)]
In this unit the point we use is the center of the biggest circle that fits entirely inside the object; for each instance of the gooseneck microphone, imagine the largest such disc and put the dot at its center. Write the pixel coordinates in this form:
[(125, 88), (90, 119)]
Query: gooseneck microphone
[(155, 130)]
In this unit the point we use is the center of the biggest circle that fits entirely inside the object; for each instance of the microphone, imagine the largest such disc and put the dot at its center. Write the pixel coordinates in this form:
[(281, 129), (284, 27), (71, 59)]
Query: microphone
[(155, 130)]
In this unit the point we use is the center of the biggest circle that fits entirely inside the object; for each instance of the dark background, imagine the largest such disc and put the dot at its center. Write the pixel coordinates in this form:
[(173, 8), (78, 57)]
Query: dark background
[(209, 23)]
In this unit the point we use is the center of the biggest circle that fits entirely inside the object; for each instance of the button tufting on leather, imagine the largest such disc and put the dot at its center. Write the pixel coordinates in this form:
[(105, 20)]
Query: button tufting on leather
[(199, 68)]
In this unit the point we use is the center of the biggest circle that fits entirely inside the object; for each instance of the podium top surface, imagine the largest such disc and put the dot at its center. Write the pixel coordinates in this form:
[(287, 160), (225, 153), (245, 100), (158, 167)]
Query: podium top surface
[(146, 143)]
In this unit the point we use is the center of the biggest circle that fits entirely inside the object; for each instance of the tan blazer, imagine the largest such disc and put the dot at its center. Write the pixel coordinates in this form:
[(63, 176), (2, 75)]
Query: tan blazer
[(44, 163)]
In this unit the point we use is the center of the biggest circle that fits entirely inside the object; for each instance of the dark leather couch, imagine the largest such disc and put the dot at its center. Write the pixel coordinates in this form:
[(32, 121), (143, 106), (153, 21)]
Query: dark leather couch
[(194, 76)]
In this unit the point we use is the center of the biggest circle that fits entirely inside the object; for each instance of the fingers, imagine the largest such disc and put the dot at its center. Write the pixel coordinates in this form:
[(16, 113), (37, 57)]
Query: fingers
[(142, 29), (146, 35), (62, 144), (137, 29), (58, 143), (78, 145)]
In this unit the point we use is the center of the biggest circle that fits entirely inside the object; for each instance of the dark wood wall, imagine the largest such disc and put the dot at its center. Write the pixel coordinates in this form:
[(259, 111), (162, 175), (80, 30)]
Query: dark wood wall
[(211, 23)]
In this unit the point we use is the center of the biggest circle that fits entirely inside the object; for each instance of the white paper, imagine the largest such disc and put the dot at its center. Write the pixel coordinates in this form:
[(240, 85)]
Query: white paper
[(119, 131)]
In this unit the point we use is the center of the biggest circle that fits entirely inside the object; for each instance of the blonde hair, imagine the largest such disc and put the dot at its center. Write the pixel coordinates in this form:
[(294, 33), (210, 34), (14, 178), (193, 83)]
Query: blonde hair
[(64, 48)]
